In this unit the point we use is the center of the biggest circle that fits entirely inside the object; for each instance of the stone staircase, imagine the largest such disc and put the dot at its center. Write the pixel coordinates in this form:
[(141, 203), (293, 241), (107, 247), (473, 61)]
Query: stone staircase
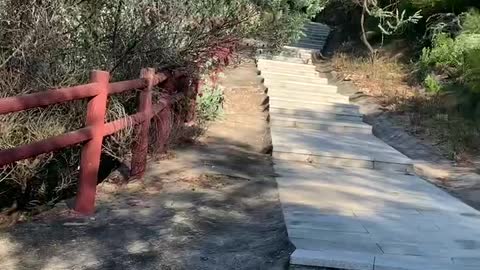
[(349, 200)]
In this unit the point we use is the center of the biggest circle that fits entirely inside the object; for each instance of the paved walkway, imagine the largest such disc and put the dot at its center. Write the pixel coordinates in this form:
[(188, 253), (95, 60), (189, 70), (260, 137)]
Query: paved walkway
[(349, 199)]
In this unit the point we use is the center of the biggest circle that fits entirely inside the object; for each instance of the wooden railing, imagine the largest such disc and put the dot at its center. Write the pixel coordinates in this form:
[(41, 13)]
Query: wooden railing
[(95, 127)]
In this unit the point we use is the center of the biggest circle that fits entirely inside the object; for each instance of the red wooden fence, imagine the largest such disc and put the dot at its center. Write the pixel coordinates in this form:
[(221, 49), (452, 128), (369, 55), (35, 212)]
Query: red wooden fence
[(95, 127)]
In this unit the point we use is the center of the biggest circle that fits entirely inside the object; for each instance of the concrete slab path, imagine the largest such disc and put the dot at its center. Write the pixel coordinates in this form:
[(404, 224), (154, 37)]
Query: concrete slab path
[(350, 200)]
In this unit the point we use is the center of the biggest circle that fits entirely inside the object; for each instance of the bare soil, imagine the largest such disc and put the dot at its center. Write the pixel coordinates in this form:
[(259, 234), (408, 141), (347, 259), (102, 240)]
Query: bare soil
[(211, 205)]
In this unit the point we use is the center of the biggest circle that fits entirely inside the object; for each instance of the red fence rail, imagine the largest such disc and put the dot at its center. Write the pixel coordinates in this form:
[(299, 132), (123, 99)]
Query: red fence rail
[(95, 127)]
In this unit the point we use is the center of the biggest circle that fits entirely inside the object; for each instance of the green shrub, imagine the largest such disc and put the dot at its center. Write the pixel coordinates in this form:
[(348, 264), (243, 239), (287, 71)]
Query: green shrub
[(457, 61), (210, 103), (444, 53), (471, 24), (449, 55), (430, 7), (472, 69), (432, 84)]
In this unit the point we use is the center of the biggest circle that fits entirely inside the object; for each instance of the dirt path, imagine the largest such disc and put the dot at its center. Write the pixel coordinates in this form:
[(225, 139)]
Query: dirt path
[(213, 206)]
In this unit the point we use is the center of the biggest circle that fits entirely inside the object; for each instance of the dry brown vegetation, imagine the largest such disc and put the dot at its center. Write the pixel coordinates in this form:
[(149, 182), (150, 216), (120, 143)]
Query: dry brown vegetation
[(385, 79)]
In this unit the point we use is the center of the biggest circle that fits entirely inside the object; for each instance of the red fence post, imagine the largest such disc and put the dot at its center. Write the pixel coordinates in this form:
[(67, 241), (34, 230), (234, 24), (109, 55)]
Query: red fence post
[(192, 93), (163, 121), (91, 151), (140, 144)]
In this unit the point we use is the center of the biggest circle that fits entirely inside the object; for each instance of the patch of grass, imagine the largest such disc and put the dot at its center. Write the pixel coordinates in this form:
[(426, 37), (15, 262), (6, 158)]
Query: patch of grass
[(432, 84), (210, 103)]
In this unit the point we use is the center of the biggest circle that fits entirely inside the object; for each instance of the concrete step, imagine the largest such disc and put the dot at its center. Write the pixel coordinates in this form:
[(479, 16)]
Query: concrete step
[(304, 91), (317, 28), (314, 44), (314, 33), (310, 44), (320, 99), (281, 63), (286, 53), (350, 150), (319, 107), (319, 234), (319, 245), (318, 38), (299, 52), (281, 69), (312, 51), (310, 40), (309, 80), (333, 259), (295, 86), (315, 47), (311, 114), (307, 96), (362, 260), (399, 212), (283, 52), (280, 76), (308, 31), (315, 38), (289, 59), (407, 191), (262, 63), (317, 24), (319, 124), (421, 262), (382, 240)]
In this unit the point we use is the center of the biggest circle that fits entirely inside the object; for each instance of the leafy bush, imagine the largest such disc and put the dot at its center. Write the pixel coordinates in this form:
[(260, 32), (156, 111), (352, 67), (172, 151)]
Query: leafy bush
[(471, 24), (456, 57), (444, 53), (471, 40), (452, 65), (210, 103), (432, 84), (472, 69), (430, 7), (50, 43)]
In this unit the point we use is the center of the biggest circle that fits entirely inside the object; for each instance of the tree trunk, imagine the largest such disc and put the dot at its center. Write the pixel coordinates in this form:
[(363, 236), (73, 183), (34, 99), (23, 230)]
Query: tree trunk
[(364, 33)]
